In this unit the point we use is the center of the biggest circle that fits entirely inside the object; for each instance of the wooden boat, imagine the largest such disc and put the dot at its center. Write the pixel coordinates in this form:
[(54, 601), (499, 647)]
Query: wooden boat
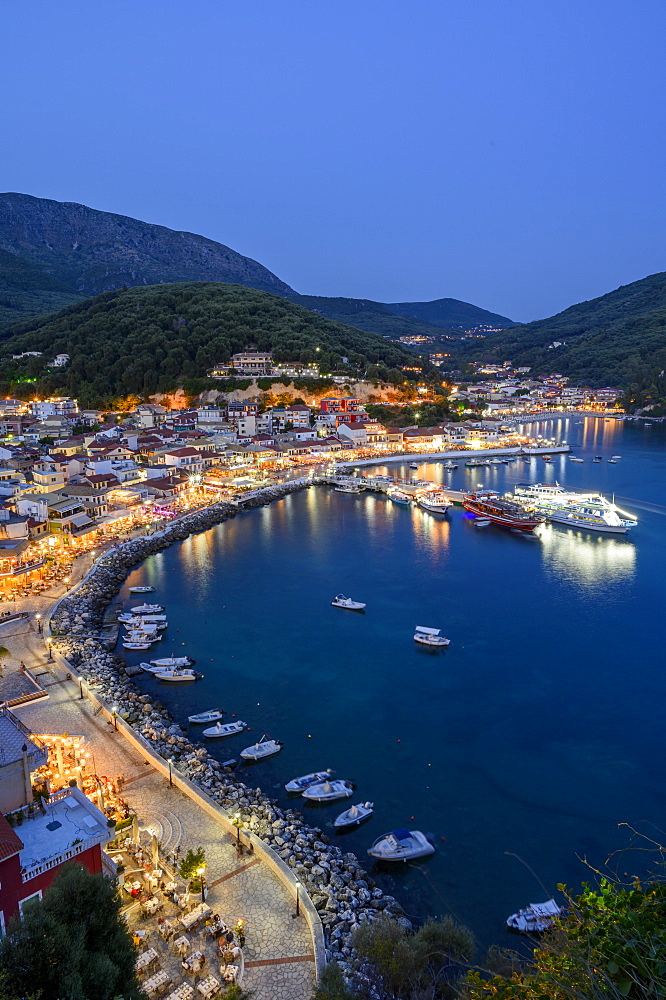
[(430, 637), (328, 791), (355, 815), (401, 845), (173, 661), (136, 645), (212, 715), (264, 748), (300, 784), (224, 729)]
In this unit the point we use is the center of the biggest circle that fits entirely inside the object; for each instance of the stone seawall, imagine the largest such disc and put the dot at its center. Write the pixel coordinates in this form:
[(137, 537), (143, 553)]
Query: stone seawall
[(342, 894)]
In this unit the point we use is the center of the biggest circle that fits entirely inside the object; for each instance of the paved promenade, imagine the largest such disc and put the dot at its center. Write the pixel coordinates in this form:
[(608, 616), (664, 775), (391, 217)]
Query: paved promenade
[(278, 954)]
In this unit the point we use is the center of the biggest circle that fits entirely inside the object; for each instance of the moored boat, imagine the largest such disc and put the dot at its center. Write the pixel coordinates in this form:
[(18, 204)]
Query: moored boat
[(413, 465), (212, 715), (178, 676), (224, 729), (147, 609), (328, 791), (575, 510), (434, 501), (173, 661), (449, 466), (315, 778), (136, 645), (430, 636), (488, 505), (141, 590), (397, 496), (355, 815), (264, 748), (346, 602), (348, 488), (401, 845), (536, 917), (574, 458)]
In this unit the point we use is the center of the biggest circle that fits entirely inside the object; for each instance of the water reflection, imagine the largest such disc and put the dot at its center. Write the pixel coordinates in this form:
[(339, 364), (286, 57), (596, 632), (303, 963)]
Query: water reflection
[(586, 559)]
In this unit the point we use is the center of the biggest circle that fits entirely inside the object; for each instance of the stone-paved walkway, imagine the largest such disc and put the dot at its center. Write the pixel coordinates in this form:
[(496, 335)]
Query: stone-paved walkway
[(278, 950)]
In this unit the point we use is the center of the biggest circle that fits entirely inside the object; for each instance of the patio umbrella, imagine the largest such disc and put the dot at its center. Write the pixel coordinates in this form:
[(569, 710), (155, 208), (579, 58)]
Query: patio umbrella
[(155, 851), (135, 829)]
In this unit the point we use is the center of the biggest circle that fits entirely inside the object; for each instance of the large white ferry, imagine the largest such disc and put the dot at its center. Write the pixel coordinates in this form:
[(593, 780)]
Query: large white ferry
[(577, 510)]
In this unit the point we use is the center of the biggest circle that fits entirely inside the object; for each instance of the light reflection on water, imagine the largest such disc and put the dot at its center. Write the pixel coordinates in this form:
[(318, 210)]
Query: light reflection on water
[(585, 558)]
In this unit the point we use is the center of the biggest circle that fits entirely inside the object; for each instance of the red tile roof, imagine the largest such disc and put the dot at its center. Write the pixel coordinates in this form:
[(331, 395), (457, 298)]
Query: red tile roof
[(10, 842)]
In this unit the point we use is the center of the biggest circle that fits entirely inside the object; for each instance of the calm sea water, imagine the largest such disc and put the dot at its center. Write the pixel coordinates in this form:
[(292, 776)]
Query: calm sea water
[(537, 731)]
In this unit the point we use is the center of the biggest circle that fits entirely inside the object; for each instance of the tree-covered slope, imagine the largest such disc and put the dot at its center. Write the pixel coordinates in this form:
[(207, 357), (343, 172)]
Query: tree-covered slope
[(375, 317), (603, 341), (451, 314), (92, 251), (145, 340), (27, 290)]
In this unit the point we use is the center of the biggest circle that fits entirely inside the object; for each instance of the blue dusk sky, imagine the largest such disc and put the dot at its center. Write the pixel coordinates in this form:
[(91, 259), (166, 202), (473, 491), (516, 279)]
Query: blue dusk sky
[(509, 154)]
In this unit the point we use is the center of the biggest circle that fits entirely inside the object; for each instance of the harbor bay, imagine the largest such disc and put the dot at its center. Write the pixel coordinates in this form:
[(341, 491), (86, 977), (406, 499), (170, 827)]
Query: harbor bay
[(534, 733)]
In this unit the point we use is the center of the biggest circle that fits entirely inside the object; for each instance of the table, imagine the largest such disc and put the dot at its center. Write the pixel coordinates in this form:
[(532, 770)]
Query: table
[(184, 992), (181, 944), (132, 886), (229, 973), (156, 982), (170, 887), (165, 929), (194, 962), (152, 905), (197, 914), (208, 987), (145, 959)]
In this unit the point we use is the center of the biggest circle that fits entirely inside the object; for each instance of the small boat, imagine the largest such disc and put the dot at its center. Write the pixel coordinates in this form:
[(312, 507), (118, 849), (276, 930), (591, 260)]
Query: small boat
[(136, 645), (616, 458), (397, 496), (546, 458), (598, 458), (264, 748), (226, 729), (450, 466), (535, 917), (147, 609), (141, 590), (178, 676), (212, 715), (413, 465), (595, 461), (434, 501), (401, 845), (430, 636), (173, 661), (574, 458), (355, 815), (328, 791), (315, 778), (348, 488), (346, 602), (482, 522)]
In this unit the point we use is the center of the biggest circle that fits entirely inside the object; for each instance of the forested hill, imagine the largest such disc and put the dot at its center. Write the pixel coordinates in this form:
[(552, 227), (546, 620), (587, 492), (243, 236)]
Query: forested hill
[(145, 340), (89, 251), (27, 290), (604, 341), (451, 314)]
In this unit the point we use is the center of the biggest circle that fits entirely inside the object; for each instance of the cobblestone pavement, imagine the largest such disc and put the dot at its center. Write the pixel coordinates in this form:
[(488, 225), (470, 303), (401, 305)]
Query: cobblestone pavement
[(278, 951)]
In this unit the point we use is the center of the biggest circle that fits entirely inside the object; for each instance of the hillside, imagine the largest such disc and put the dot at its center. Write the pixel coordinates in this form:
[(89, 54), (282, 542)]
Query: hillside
[(27, 290), (604, 341), (375, 317), (90, 252), (451, 314), (146, 340)]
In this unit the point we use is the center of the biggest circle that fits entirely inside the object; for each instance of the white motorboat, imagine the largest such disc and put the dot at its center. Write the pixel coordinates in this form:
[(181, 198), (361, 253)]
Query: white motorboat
[(574, 458), (150, 669), (401, 845), (482, 522), (348, 488), (346, 602), (616, 458), (212, 715), (179, 676), (224, 729), (173, 661), (413, 465), (136, 645), (315, 778), (328, 791), (151, 619), (354, 815), (576, 510), (264, 748), (141, 590), (430, 636), (612, 461), (398, 496), (434, 501), (138, 636), (536, 917), (449, 466), (147, 609)]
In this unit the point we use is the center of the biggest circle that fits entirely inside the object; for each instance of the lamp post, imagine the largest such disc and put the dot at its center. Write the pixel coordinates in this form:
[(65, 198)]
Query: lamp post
[(38, 619), (238, 822), (200, 873), (170, 778), (298, 901), (48, 645), (114, 716)]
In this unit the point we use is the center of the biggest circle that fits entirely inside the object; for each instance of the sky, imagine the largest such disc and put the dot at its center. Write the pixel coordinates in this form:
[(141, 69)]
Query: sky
[(512, 155)]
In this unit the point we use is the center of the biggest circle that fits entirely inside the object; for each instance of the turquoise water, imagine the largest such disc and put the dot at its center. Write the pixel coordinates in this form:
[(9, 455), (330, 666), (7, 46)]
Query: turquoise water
[(537, 731)]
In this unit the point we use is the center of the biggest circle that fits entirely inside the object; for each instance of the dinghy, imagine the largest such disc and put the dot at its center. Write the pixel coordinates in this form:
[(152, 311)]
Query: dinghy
[(141, 590), (346, 602), (226, 729), (257, 751), (173, 661), (535, 917), (136, 645), (212, 715), (315, 778), (430, 636), (329, 791), (401, 845), (354, 815), (178, 676), (147, 609)]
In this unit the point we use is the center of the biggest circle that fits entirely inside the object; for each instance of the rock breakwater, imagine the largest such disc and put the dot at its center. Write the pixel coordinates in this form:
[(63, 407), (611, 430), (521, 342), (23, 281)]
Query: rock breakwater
[(342, 892)]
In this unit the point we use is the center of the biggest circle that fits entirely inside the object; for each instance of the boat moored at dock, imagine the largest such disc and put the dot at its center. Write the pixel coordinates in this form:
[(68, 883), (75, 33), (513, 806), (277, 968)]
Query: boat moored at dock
[(212, 715), (487, 504), (401, 845), (329, 791), (220, 730), (141, 590), (354, 816), (434, 501), (576, 510), (305, 781)]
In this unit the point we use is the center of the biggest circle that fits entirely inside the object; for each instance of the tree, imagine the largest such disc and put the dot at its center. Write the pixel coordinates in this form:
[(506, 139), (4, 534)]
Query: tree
[(331, 985), (193, 860), (72, 944)]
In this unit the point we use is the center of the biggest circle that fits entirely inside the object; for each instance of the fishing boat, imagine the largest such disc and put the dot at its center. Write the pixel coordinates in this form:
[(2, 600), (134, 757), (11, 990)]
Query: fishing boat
[(329, 791), (212, 715), (346, 602), (315, 778), (536, 917), (401, 845), (430, 637), (487, 504), (173, 661), (576, 510), (264, 748), (397, 496), (178, 676), (413, 465), (449, 466), (224, 729), (612, 461), (141, 590), (596, 461), (434, 501), (147, 609), (354, 816), (348, 488)]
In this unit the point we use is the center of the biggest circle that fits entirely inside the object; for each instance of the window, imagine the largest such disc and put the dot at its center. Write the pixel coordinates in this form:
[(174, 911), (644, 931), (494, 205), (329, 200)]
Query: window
[(34, 895)]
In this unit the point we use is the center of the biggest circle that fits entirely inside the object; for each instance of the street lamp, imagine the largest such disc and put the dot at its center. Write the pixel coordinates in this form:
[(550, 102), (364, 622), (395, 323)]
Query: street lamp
[(298, 901), (170, 778), (48, 645), (200, 873), (114, 716), (38, 619), (238, 822)]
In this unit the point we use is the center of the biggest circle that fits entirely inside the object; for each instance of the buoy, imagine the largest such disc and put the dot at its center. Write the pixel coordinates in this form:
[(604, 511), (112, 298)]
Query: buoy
[(399, 741)]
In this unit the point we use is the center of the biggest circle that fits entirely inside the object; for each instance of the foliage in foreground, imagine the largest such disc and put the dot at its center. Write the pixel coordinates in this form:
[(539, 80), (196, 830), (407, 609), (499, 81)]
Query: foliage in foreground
[(72, 945)]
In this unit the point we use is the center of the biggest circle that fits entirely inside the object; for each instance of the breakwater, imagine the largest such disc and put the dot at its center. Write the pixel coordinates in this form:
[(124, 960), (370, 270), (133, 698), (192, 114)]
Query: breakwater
[(342, 893)]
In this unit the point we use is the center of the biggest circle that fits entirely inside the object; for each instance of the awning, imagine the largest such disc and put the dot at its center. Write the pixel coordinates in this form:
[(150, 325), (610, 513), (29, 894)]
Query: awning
[(80, 519)]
